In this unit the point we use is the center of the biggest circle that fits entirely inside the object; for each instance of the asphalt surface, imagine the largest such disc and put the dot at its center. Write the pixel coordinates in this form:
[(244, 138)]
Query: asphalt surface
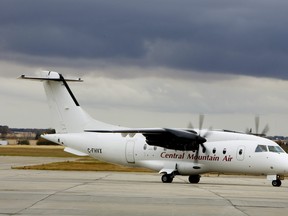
[(29, 192)]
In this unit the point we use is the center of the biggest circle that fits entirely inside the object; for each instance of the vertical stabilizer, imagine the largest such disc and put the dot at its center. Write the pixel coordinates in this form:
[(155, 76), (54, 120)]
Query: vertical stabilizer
[(67, 115)]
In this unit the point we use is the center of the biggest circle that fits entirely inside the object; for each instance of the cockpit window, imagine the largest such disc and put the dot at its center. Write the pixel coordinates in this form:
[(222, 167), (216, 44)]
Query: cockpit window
[(277, 149), (261, 148)]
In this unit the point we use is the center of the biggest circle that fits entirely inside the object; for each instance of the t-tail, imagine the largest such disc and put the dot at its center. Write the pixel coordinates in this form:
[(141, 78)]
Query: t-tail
[(67, 115)]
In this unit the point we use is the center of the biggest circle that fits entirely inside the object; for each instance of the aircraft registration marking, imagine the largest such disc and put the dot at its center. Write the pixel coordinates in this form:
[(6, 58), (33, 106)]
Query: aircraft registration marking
[(94, 150)]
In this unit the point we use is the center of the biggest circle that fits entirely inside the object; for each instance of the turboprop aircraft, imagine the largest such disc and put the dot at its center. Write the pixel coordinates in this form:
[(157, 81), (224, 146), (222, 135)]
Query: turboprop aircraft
[(170, 151)]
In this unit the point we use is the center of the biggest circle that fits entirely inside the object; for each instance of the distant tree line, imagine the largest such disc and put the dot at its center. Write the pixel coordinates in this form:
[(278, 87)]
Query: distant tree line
[(4, 130)]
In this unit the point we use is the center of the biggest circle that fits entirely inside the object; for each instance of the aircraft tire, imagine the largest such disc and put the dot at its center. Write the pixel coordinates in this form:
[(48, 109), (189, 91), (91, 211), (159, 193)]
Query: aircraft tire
[(167, 178), (194, 179), (276, 183)]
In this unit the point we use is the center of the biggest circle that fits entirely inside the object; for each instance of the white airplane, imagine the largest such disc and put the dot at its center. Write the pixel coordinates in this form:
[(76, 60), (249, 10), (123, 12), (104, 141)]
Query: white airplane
[(169, 151)]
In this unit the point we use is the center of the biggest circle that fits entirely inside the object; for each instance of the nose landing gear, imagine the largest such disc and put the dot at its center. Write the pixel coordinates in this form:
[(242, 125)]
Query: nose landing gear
[(277, 182)]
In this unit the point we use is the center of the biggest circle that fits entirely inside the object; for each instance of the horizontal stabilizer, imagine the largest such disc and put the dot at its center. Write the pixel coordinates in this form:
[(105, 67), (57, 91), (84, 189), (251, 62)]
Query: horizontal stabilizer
[(49, 75)]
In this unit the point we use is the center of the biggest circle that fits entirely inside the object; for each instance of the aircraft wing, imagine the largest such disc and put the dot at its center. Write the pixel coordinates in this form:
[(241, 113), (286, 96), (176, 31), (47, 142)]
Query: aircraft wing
[(176, 139)]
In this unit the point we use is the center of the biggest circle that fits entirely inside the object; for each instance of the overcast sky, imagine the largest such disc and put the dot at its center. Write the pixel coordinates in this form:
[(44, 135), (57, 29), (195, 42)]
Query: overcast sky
[(152, 63)]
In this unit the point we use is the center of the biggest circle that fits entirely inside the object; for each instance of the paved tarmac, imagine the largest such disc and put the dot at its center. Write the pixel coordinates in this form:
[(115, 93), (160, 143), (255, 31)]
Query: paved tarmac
[(28, 192)]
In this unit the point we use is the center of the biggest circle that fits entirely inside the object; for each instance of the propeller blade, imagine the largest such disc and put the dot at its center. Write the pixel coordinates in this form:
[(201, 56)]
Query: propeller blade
[(201, 120), (265, 130), (197, 151), (203, 148), (248, 130), (201, 139), (208, 132), (257, 121), (190, 125)]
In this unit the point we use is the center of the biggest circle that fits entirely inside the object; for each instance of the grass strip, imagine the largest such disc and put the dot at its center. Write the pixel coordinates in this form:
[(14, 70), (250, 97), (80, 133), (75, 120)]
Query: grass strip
[(84, 164), (80, 164), (34, 151)]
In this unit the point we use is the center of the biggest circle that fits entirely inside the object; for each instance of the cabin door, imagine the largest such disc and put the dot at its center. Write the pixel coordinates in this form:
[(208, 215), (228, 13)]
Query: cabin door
[(130, 152)]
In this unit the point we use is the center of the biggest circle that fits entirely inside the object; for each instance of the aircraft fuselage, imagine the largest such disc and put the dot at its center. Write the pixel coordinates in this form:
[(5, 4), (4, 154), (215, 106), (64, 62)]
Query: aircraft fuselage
[(221, 156)]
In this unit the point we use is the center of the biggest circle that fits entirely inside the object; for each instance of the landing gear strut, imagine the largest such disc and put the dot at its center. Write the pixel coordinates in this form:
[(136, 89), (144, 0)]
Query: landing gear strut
[(167, 178), (194, 179)]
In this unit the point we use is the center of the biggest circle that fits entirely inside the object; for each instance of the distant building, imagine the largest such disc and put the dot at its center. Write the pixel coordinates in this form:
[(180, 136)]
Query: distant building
[(3, 142)]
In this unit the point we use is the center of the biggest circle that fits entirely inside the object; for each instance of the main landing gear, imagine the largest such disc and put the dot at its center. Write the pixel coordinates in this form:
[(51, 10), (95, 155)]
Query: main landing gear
[(194, 179), (168, 178)]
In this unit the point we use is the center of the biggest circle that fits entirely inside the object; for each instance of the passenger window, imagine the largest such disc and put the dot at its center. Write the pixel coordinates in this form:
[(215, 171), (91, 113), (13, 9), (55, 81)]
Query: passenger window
[(214, 150), (240, 151), (261, 148), (224, 151)]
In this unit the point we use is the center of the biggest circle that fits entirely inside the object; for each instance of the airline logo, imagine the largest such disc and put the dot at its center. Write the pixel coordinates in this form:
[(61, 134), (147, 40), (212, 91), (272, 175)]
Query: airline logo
[(193, 156)]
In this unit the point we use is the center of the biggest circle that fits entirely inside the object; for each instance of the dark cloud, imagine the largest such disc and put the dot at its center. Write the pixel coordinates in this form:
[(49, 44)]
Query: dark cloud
[(237, 37)]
